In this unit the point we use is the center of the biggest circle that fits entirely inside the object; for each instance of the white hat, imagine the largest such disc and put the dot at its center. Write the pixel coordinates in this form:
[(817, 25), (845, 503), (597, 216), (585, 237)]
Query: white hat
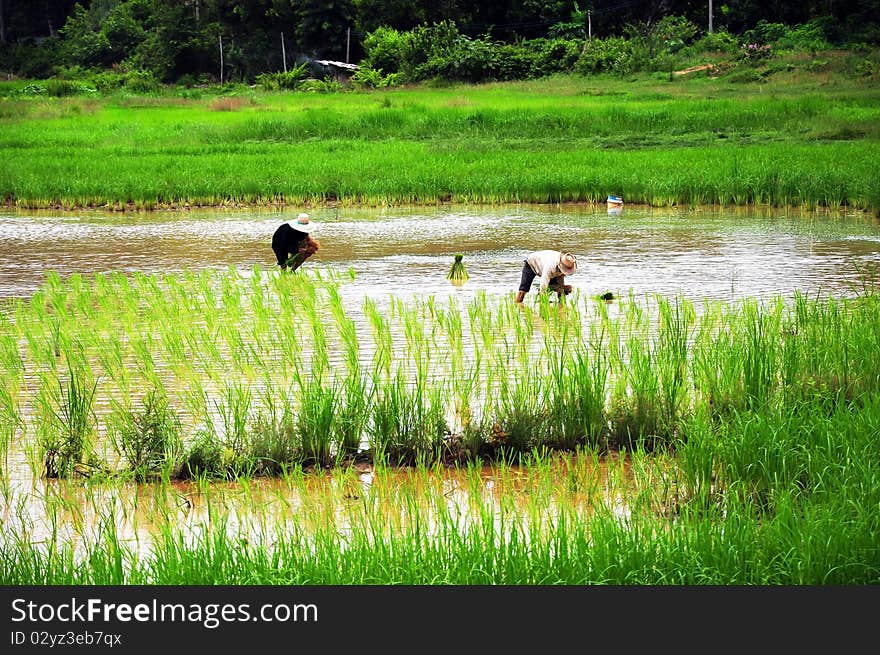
[(567, 263), (303, 224)]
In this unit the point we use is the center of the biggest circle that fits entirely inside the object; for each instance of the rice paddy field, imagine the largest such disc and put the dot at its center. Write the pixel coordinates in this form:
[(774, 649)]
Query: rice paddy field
[(799, 139), (181, 414)]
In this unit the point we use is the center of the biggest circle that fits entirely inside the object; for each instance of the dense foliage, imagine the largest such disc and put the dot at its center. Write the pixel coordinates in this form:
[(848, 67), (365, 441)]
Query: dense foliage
[(172, 41)]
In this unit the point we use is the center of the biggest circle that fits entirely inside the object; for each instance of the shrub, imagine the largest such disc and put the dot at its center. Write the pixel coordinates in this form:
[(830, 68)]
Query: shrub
[(366, 77), (809, 37), (603, 55), (140, 81), (283, 80), (384, 50), (720, 41), (553, 55), (63, 88), (672, 33)]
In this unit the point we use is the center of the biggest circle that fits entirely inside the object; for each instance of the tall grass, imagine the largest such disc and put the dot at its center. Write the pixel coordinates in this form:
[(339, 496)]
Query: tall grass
[(669, 149)]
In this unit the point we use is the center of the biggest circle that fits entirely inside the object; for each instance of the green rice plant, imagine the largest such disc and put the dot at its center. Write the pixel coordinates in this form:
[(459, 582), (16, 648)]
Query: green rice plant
[(351, 415), (206, 457), (234, 409), (274, 446), (672, 353), (382, 340), (716, 361), (635, 406), (406, 422), (67, 443), (521, 417), (223, 451), (11, 420), (583, 392), (315, 418), (458, 274), (347, 331), (760, 343), (150, 439)]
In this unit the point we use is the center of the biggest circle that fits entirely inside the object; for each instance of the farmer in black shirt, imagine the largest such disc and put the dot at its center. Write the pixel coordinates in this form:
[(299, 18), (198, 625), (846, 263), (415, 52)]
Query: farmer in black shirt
[(292, 243)]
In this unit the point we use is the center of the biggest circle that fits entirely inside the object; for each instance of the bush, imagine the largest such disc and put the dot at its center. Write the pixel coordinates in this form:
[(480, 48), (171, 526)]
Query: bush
[(63, 88), (604, 55), (141, 81), (671, 34), (32, 91), (283, 80), (721, 41), (372, 78), (809, 37), (384, 49), (327, 85), (553, 55), (30, 60)]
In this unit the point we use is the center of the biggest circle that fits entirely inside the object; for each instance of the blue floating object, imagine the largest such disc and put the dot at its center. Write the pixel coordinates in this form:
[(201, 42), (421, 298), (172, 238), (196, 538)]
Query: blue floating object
[(617, 200)]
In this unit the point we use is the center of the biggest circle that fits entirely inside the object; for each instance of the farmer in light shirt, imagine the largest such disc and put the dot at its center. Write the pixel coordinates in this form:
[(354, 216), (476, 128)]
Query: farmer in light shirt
[(551, 266)]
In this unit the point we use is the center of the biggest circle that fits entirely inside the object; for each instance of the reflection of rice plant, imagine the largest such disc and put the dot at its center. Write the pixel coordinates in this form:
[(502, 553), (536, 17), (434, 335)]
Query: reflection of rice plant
[(68, 440), (149, 439), (458, 274)]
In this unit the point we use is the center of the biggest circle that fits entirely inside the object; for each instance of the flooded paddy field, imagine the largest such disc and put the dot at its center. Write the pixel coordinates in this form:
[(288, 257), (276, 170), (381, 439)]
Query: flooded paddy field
[(717, 253), (244, 355)]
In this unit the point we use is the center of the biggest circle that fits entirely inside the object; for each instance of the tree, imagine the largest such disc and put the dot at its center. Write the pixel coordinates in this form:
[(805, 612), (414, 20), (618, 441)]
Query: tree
[(322, 26)]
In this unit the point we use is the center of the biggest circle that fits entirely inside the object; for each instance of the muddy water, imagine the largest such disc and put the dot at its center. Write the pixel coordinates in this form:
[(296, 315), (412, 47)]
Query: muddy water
[(344, 500), (719, 254), (722, 254)]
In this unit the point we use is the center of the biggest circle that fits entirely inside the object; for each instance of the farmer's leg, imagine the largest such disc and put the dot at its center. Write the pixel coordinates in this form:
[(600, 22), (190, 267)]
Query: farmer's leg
[(525, 282)]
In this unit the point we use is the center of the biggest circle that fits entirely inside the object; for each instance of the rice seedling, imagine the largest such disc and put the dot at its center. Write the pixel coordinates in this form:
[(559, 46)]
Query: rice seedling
[(315, 418), (749, 433), (458, 274), (406, 422), (66, 443), (150, 439)]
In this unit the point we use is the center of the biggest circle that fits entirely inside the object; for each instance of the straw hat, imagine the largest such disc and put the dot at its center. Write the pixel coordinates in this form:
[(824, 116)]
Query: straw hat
[(303, 224), (567, 263)]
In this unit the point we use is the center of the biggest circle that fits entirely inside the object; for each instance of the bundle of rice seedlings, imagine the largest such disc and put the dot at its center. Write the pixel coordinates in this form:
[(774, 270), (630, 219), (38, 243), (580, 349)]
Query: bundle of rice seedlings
[(458, 275)]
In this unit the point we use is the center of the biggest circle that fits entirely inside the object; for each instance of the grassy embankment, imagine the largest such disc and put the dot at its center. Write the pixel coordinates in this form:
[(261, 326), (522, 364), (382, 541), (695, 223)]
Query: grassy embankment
[(750, 432), (795, 139)]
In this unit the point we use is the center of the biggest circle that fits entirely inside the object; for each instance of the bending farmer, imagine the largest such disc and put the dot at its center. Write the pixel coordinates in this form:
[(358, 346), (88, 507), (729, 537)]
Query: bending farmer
[(551, 266), (292, 243)]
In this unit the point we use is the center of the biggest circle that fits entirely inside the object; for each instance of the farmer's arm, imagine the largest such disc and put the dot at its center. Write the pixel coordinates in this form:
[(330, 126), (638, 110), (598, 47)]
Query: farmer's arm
[(544, 281), (545, 262)]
